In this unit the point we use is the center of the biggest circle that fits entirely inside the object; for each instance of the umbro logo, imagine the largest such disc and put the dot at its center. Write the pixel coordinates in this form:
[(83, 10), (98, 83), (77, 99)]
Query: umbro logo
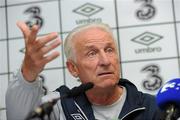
[(77, 116), (147, 38), (88, 9)]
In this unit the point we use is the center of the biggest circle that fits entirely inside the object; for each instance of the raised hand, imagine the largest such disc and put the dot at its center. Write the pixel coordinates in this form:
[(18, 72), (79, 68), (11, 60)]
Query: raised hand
[(36, 50)]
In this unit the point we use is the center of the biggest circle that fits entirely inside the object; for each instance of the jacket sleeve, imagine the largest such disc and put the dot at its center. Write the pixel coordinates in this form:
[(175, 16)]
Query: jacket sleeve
[(22, 97)]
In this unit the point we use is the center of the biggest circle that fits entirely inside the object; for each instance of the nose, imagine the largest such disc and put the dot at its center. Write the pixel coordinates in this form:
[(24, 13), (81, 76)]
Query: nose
[(104, 59)]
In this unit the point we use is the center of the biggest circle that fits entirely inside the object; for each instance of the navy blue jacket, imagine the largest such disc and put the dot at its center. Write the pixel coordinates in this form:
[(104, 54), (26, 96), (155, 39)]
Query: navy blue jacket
[(138, 105)]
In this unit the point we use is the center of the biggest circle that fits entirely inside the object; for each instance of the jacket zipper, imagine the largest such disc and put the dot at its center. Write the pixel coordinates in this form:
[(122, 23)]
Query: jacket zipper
[(135, 110)]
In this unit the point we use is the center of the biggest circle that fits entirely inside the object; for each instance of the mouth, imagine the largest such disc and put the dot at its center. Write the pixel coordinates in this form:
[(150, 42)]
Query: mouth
[(105, 73)]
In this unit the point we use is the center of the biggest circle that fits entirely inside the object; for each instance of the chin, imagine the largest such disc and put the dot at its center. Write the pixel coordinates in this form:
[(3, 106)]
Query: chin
[(107, 83)]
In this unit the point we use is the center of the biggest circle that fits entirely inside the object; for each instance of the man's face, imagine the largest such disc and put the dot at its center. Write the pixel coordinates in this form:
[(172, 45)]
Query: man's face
[(96, 57)]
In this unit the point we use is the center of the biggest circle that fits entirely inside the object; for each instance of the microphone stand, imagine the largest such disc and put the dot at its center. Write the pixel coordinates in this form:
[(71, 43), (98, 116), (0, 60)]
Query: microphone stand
[(171, 112), (42, 110)]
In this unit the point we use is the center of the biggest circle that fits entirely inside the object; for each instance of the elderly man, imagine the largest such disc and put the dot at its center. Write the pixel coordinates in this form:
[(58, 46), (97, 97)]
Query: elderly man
[(92, 56)]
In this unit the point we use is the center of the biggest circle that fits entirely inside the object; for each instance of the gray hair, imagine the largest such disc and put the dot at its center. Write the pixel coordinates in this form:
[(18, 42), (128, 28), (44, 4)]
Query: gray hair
[(69, 44)]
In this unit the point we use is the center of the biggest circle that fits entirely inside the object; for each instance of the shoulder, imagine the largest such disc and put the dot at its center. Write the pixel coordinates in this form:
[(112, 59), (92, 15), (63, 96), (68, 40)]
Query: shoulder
[(149, 99), (141, 98)]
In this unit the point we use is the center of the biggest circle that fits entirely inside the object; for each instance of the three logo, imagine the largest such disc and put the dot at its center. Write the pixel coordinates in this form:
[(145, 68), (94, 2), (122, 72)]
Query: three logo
[(35, 16)]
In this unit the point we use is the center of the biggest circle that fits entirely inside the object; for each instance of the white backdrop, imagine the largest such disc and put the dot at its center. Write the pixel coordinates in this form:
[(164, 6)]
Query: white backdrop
[(147, 31)]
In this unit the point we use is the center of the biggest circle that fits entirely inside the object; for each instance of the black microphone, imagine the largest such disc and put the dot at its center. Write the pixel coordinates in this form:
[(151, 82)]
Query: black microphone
[(46, 108), (80, 89), (168, 99)]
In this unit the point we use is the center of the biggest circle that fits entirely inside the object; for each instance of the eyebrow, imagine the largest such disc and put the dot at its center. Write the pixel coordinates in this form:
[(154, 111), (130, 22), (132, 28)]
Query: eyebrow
[(92, 46)]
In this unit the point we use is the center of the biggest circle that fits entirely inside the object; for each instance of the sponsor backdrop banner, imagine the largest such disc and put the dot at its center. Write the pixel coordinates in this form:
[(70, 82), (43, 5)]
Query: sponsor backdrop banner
[(147, 33)]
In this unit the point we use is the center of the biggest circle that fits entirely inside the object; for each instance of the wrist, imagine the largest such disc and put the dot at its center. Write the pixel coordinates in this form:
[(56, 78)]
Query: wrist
[(28, 75)]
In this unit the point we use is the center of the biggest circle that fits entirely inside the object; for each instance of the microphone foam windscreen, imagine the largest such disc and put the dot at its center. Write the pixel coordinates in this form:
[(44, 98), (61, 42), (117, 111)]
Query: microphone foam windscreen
[(169, 93)]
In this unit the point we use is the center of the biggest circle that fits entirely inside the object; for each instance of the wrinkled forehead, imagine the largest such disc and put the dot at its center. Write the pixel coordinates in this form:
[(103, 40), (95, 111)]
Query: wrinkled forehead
[(94, 38), (93, 34)]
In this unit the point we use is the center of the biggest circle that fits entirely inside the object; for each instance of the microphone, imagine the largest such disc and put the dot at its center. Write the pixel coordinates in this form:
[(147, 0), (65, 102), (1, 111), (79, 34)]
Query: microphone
[(80, 89), (168, 99), (46, 108)]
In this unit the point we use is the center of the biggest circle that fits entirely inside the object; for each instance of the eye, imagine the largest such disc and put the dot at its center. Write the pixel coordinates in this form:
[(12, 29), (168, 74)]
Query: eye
[(91, 53), (109, 50)]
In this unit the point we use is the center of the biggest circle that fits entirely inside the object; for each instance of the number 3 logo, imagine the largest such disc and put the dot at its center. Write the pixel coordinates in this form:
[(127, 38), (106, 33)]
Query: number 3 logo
[(35, 16), (153, 80), (147, 10)]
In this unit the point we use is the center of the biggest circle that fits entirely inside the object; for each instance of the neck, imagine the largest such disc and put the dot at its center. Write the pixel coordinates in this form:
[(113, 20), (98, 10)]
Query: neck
[(104, 96)]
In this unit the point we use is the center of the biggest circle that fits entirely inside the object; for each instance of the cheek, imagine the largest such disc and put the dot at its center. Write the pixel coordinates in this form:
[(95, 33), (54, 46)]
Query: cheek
[(87, 69), (87, 76), (117, 67), (89, 64)]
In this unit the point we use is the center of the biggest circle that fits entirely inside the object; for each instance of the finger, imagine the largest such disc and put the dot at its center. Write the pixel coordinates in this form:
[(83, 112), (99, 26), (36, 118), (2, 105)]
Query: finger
[(50, 57), (46, 49), (24, 29), (41, 53), (33, 34), (46, 39), (51, 46)]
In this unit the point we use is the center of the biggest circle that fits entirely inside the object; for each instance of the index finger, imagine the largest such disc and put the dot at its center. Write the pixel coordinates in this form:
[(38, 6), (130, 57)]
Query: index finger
[(33, 33)]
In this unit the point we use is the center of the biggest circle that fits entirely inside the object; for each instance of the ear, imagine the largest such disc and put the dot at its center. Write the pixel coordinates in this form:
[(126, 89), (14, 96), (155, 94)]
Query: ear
[(72, 68)]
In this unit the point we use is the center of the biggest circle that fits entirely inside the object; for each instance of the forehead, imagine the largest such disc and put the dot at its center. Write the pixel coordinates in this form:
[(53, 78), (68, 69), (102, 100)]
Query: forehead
[(93, 35)]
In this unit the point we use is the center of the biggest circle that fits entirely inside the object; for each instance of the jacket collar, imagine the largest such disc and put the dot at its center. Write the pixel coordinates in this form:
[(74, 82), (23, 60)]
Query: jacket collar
[(133, 101)]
